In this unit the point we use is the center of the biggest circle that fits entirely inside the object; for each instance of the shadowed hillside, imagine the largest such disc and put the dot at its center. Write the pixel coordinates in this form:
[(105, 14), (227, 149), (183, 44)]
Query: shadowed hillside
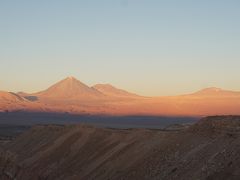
[(207, 150)]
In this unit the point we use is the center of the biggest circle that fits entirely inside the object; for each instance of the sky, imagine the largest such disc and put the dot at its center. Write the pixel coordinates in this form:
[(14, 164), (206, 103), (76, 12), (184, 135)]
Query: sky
[(149, 47)]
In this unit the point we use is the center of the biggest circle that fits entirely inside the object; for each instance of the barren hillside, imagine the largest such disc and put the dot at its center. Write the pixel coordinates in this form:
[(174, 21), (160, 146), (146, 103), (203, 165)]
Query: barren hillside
[(207, 150)]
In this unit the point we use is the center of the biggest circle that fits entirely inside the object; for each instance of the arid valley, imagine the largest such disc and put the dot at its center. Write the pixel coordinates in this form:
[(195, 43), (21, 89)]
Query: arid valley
[(119, 90), (102, 132), (208, 149)]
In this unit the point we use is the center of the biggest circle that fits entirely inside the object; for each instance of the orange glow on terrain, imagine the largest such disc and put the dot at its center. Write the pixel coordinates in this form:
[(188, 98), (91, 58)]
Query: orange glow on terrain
[(72, 96)]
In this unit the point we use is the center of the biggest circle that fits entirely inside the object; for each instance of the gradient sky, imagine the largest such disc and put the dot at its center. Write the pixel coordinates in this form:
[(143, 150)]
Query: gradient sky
[(150, 47)]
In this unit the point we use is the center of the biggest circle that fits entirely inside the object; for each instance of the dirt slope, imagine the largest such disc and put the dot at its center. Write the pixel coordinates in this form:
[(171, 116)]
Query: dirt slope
[(208, 150)]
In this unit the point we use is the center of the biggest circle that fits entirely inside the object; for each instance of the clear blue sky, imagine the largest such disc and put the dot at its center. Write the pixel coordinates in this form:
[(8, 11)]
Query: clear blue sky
[(150, 47)]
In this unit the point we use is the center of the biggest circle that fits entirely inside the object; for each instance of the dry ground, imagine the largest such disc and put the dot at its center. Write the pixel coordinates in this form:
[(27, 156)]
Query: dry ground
[(209, 149)]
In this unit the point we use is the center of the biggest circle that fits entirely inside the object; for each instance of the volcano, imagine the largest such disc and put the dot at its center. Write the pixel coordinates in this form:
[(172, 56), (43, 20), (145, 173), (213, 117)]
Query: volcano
[(70, 88)]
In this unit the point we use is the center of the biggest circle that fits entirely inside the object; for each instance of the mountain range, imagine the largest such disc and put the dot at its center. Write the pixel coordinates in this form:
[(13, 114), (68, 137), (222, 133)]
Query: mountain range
[(72, 96)]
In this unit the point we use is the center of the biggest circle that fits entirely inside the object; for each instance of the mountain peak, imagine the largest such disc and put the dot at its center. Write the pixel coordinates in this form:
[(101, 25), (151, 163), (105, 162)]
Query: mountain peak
[(71, 78), (105, 86), (110, 90), (70, 87), (211, 89), (214, 91)]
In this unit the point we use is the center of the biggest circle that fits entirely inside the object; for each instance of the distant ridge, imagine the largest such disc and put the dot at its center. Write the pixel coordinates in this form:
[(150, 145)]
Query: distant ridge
[(110, 90), (10, 96), (214, 91), (72, 96)]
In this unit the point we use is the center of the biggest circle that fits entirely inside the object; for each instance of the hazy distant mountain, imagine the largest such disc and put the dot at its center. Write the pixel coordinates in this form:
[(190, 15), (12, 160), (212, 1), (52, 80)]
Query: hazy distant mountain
[(22, 94), (13, 102), (72, 96), (213, 91), (70, 88), (110, 90), (11, 97)]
